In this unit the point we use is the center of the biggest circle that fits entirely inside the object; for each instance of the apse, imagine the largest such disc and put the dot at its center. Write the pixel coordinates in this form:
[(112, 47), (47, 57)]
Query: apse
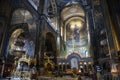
[(76, 38), (75, 31)]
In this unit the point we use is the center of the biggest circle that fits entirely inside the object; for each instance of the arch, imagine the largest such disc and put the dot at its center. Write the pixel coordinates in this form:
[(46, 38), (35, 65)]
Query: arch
[(50, 45), (19, 44), (23, 26), (73, 60), (72, 10), (70, 13), (74, 29), (22, 21), (74, 55), (24, 16), (50, 42), (15, 35), (21, 16), (16, 42), (74, 17)]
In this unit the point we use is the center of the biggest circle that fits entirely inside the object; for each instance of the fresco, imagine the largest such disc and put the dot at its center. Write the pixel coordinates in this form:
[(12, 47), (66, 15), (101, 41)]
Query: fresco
[(76, 39)]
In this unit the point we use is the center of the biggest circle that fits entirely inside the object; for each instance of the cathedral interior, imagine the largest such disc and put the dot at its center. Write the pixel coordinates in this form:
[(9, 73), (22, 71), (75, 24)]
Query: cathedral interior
[(59, 40)]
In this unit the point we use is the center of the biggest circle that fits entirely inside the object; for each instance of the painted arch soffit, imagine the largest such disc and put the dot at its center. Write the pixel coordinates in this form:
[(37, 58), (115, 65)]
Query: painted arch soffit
[(71, 11), (21, 16)]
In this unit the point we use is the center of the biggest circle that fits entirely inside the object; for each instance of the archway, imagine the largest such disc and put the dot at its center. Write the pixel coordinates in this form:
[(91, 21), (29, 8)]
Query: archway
[(21, 36), (50, 45), (17, 43), (74, 30), (74, 59), (20, 32)]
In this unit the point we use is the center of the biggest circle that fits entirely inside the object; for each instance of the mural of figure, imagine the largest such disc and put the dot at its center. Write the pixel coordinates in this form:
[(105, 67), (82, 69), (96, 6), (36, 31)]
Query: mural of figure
[(76, 33)]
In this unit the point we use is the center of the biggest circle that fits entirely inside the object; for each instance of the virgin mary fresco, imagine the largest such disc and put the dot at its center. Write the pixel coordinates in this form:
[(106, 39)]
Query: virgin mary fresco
[(73, 33), (76, 39), (76, 33)]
